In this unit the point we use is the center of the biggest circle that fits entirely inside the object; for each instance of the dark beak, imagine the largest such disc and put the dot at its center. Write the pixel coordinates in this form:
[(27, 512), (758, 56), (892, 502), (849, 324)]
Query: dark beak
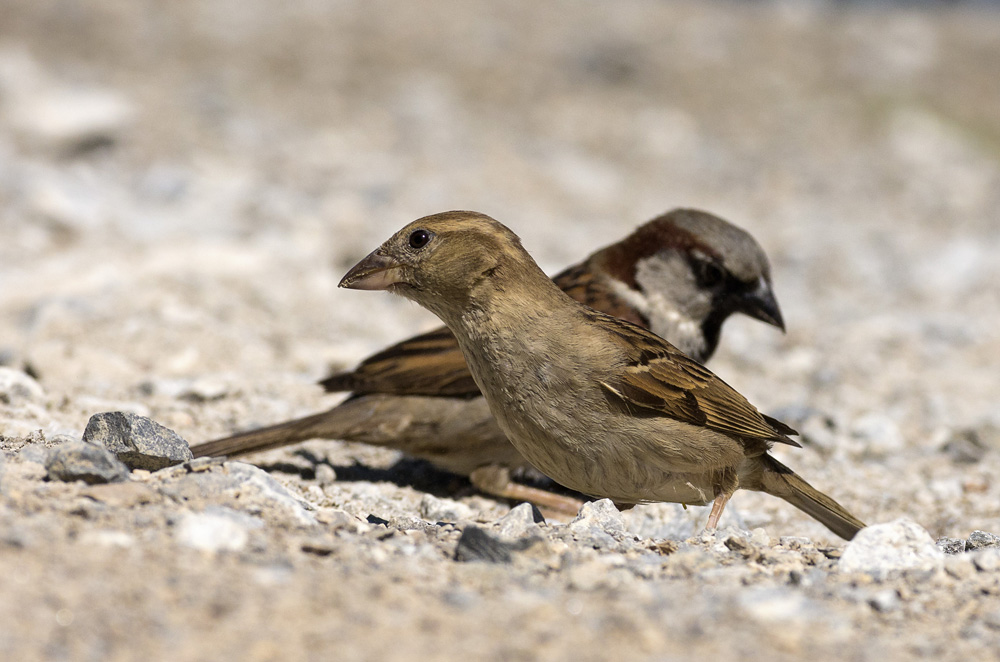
[(375, 272), (760, 304)]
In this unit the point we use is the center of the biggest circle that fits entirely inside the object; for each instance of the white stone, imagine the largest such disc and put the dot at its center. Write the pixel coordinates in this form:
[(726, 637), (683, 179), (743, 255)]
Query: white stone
[(884, 548)]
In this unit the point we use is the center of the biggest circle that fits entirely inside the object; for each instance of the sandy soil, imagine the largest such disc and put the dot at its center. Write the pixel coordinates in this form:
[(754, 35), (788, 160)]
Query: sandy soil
[(182, 184)]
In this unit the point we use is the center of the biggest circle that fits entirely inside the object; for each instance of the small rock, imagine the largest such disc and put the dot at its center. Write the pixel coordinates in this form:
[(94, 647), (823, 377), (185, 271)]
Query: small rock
[(602, 514), (475, 544), (79, 460), (216, 529), (434, 509), (521, 521), (17, 387), (884, 548), (139, 442), (981, 540), (951, 545)]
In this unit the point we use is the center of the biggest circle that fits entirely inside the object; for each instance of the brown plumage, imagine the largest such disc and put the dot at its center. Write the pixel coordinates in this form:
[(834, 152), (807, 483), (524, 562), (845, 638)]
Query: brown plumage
[(603, 406), (683, 273)]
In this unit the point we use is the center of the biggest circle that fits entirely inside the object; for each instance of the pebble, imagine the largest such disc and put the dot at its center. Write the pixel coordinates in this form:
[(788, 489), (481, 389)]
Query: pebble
[(601, 514), (522, 520), (951, 545), (881, 549), (981, 540), (78, 460), (475, 544), (139, 442)]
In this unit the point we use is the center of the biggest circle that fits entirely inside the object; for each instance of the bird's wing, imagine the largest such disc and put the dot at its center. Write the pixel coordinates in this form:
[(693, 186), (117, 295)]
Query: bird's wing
[(428, 364), (658, 379)]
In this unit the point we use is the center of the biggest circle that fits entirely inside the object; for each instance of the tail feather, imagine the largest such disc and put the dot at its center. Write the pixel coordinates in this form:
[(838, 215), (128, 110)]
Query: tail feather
[(780, 481), (262, 439)]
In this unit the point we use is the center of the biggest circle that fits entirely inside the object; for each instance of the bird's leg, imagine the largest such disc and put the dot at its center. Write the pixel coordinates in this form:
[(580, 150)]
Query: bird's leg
[(728, 483), (717, 506), (495, 480)]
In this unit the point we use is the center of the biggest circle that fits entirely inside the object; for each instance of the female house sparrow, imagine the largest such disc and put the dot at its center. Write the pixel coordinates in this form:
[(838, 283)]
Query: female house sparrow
[(601, 405), (683, 273)]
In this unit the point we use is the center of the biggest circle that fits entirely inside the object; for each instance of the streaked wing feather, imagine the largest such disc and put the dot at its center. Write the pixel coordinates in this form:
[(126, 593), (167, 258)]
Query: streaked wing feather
[(428, 364), (660, 378)]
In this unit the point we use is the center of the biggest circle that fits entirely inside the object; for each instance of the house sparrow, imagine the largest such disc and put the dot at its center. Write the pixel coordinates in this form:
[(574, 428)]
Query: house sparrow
[(601, 405), (683, 274)]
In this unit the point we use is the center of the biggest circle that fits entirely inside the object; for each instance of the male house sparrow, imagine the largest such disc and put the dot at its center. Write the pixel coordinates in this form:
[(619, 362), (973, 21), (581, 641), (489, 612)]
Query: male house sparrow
[(599, 404), (682, 274)]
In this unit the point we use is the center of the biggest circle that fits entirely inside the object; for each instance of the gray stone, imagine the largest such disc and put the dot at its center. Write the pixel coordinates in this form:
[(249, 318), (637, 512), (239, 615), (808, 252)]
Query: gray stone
[(79, 460), (602, 514), (139, 442), (882, 549), (476, 544), (522, 520), (951, 545), (981, 540)]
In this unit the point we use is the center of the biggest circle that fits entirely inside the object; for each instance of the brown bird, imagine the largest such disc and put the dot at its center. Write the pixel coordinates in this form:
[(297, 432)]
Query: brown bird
[(599, 404), (683, 274)]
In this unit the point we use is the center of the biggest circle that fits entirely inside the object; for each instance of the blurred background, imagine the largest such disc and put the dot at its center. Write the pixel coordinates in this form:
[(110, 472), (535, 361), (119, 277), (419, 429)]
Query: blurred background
[(183, 183)]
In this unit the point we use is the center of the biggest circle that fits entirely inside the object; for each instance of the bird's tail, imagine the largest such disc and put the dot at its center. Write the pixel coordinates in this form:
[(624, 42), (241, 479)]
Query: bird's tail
[(778, 480), (273, 436)]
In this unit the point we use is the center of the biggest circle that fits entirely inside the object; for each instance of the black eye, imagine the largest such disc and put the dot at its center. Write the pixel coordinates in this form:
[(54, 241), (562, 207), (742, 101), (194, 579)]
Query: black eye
[(419, 238), (707, 273)]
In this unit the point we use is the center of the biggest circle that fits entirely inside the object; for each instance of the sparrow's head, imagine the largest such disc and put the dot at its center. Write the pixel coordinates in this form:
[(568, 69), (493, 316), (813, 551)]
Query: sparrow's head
[(690, 267), (442, 260)]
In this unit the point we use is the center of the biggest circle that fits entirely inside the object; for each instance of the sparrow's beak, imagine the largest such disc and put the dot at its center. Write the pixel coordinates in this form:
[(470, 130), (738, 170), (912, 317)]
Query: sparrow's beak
[(376, 272), (760, 304)]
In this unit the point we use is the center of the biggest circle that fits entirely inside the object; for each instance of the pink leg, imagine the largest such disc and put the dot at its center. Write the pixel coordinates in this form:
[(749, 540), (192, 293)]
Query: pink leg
[(717, 507)]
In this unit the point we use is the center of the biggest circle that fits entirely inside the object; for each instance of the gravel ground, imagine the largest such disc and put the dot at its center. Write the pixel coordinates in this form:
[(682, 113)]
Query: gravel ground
[(182, 184)]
